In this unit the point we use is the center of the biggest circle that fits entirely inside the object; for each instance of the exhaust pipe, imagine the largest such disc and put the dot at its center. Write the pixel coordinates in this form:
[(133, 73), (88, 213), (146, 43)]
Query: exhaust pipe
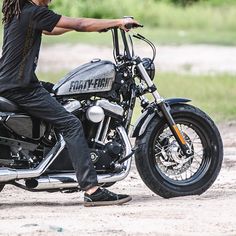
[(7, 174), (69, 181)]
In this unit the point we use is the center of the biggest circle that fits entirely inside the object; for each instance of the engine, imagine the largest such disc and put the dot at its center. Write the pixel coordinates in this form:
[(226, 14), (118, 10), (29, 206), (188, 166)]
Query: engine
[(106, 148), (100, 119)]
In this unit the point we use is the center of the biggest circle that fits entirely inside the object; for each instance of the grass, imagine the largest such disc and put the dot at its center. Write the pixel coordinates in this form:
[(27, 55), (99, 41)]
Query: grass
[(155, 13), (164, 23), (213, 94), (157, 35)]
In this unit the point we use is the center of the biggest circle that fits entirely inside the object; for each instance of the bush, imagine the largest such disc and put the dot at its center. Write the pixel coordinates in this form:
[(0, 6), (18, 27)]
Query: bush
[(184, 2), (155, 13)]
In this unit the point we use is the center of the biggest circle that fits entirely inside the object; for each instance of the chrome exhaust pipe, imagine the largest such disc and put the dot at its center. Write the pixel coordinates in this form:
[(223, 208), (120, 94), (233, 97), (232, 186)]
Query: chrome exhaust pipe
[(7, 174), (68, 180)]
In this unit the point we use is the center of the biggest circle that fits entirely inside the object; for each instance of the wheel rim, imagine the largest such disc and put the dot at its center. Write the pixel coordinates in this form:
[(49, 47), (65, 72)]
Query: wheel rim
[(169, 160)]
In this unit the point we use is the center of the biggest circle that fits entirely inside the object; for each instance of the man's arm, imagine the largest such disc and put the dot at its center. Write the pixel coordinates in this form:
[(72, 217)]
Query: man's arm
[(92, 25), (57, 31)]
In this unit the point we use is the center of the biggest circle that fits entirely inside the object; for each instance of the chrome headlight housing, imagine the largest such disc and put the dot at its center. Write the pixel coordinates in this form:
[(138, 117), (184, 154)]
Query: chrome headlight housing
[(150, 67)]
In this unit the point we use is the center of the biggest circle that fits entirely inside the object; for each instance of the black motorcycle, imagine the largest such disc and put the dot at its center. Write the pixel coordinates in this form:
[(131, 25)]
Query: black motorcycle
[(178, 148)]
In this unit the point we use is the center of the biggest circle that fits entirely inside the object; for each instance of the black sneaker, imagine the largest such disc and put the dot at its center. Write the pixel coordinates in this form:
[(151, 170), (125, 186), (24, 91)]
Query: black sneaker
[(104, 197)]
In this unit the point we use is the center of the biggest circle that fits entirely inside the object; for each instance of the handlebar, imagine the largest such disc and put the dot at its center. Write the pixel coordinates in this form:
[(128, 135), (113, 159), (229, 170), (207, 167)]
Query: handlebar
[(128, 52), (133, 26), (127, 26)]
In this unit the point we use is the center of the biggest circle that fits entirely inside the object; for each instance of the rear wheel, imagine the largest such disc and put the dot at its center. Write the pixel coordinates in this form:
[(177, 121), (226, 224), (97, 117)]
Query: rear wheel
[(5, 154), (161, 163), (1, 187)]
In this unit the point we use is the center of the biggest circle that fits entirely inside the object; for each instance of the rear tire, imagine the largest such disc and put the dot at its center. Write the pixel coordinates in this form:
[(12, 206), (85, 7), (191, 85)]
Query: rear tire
[(1, 187), (163, 167), (4, 150)]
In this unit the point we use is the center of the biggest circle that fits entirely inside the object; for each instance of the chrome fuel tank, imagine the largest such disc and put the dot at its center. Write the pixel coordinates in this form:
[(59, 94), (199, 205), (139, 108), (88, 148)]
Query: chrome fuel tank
[(94, 77)]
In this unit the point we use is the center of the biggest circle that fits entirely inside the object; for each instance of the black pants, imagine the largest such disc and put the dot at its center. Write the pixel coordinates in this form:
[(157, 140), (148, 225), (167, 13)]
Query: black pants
[(38, 102)]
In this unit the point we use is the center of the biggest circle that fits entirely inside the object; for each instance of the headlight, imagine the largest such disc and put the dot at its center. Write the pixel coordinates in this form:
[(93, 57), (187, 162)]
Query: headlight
[(149, 66)]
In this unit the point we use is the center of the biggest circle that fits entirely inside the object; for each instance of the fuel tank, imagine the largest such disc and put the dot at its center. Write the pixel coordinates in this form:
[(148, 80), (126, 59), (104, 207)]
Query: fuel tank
[(96, 76)]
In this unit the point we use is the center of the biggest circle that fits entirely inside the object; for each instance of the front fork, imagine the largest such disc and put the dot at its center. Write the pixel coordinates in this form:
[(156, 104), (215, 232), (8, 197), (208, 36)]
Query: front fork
[(175, 130), (164, 109)]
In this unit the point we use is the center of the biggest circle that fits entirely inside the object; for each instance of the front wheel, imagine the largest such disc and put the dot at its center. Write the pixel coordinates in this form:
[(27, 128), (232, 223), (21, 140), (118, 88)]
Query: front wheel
[(162, 165)]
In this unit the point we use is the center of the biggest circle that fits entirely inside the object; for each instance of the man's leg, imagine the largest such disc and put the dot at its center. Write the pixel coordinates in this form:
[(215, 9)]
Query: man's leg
[(39, 103)]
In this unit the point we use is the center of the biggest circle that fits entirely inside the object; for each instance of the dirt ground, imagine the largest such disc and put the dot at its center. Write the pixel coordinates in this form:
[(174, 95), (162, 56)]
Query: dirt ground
[(213, 213), (196, 59)]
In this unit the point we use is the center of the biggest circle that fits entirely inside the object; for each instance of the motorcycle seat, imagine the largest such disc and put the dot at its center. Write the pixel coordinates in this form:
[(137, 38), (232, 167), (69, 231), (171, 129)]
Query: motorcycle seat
[(8, 106)]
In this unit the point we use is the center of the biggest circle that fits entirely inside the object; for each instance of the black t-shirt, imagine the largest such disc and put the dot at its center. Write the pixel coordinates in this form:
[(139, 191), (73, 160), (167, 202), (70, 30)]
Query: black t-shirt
[(21, 45)]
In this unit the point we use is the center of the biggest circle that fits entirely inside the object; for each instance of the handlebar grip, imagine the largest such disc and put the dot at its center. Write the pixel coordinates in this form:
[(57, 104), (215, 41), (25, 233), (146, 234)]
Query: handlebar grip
[(131, 26), (127, 26)]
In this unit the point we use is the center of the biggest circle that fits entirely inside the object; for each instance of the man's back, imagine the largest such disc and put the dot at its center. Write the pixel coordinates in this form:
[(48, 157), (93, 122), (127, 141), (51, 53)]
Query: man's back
[(21, 45)]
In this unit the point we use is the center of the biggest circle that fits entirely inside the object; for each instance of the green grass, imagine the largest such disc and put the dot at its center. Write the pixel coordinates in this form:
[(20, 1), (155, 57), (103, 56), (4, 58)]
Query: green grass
[(214, 94), (190, 36), (156, 35), (164, 23), (155, 13)]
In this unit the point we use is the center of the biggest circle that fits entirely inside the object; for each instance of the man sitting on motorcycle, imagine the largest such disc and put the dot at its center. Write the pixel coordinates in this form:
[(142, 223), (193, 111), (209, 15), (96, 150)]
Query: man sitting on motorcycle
[(24, 22)]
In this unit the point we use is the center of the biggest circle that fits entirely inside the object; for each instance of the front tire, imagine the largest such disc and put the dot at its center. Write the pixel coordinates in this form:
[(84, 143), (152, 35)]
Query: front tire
[(161, 163)]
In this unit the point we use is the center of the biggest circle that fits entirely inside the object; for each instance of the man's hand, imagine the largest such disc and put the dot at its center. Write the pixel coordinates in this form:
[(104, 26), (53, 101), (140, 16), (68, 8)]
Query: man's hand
[(127, 23)]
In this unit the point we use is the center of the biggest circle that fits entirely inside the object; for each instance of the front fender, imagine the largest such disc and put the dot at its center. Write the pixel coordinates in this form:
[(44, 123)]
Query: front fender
[(146, 117)]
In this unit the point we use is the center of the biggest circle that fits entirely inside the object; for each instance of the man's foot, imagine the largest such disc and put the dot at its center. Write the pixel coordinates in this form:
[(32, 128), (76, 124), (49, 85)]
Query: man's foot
[(104, 197)]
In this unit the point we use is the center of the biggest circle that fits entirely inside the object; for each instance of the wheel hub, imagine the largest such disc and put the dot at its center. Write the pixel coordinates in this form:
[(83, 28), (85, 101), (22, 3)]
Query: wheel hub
[(172, 157)]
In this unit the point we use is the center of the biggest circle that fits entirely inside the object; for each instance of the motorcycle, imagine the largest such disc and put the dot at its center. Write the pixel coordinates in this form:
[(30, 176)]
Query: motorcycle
[(178, 149)]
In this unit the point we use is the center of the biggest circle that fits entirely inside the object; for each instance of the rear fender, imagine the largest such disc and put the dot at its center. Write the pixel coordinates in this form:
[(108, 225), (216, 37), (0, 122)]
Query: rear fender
[(147, 116)]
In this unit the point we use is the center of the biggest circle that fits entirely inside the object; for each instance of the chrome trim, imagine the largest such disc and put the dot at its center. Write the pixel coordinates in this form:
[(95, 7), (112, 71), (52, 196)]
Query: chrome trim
[(7, 174), (58, 181), (72, 105), (99, 131), (95, 114), (106, 129), (113, 108)]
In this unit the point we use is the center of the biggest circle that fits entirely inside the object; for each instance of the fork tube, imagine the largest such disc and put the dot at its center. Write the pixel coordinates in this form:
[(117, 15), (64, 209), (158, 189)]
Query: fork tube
[(175, 130), (160, 102), (151, 86)]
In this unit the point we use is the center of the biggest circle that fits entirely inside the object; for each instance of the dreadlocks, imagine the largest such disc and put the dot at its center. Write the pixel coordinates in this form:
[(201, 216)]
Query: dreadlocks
[(11, 8)]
